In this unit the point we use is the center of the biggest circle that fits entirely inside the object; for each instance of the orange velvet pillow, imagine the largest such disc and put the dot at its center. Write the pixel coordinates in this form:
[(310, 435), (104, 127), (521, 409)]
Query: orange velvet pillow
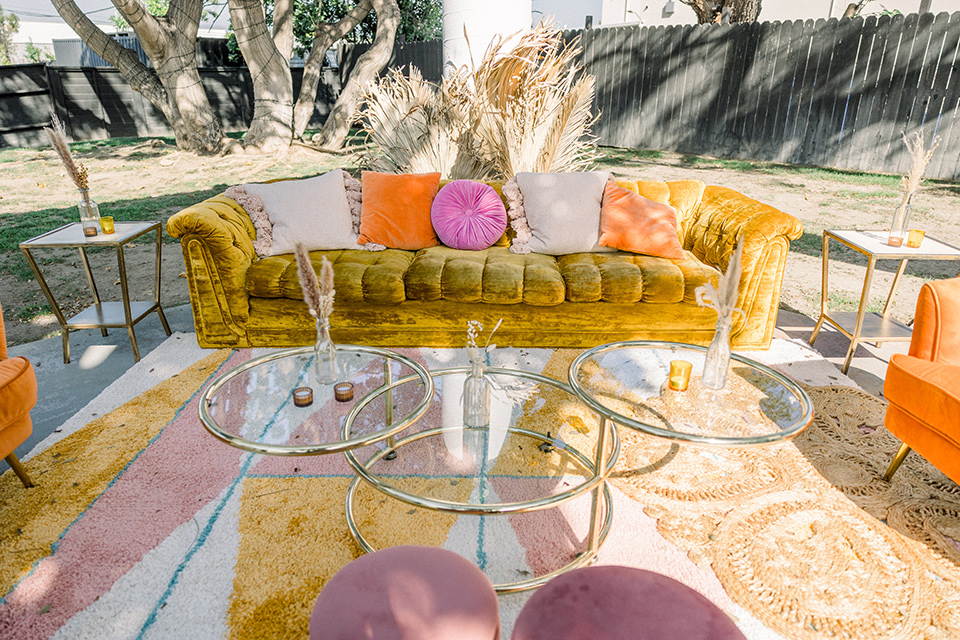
[(630, 222), (395, 209)]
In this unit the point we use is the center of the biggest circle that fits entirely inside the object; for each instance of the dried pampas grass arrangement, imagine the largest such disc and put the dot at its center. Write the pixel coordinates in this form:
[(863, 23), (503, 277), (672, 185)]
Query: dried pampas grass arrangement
[(318, 294), (919, 158), (58, 138), (723, 297)]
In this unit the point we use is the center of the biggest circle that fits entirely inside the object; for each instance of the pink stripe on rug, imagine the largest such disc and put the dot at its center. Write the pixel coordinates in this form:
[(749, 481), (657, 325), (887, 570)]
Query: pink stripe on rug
[(142, 508)]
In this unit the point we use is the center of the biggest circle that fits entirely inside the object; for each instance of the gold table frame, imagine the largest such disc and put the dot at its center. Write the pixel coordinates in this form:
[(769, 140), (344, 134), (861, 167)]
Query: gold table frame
[(601, 516), (861, 326), (101, 315)]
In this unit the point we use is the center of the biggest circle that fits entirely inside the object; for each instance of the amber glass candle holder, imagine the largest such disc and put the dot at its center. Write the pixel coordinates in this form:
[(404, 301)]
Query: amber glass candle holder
[(915, 239), (679, 375), (303, 396), (106, 223)]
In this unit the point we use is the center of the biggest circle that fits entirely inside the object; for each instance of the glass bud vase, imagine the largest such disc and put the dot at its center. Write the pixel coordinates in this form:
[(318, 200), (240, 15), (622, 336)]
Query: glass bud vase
[(476, 396), (325, 355), (89, 214), (900, 224), (716, 365)]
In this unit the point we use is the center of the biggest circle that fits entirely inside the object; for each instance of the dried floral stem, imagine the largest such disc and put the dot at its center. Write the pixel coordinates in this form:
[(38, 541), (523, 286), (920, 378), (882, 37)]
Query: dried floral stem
[(58, 138), (318, 294), (723, 297), (920, 158)]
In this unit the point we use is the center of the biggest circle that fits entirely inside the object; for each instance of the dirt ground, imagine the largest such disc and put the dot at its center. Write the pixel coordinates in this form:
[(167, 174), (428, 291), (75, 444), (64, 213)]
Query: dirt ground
[(820, 199)]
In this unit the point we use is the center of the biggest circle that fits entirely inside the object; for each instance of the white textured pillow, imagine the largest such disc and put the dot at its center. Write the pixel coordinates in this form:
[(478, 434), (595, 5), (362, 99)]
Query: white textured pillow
[(314, 212), (562, 212)]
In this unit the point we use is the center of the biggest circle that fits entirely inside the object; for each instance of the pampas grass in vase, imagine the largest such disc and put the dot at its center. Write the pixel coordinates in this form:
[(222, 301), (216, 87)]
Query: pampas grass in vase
[(318, 294), (89, 210), (919, 158), (723, 299)]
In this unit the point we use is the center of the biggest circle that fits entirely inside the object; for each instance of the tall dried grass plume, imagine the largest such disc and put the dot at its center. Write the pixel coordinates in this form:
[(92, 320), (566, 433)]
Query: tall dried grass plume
[(58, 138), (318, 294), (919, 159)]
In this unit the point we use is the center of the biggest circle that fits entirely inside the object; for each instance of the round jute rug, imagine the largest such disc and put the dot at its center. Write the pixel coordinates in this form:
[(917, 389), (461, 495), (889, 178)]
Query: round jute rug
[(806, 535)]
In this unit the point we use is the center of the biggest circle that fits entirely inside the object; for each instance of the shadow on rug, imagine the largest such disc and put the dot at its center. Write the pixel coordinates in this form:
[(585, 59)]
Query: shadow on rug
[(806, 535)]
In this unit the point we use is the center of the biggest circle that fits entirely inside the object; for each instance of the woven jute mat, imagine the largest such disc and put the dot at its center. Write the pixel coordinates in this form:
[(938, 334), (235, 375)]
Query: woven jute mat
[(806, 535)]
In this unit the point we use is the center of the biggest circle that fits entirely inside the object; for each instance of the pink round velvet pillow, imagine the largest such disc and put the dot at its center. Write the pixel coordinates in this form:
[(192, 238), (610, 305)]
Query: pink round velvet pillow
[(468, 215)]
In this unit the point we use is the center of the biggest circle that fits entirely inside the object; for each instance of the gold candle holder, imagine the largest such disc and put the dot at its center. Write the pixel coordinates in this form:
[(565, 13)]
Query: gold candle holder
[(915, 239), (343, 391), (303, 396), (679, 375), (106, 223)]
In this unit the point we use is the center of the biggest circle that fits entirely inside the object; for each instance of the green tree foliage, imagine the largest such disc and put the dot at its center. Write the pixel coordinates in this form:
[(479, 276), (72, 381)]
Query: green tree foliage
[(421, 20), (155, 7), (9, 25), (36, 54)]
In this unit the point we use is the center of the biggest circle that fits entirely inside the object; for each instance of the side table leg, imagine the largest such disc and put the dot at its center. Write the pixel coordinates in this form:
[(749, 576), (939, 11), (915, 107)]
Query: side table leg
[(125, 292), (64, 331), (861, 311), (92, 283), (824, 273), (156, 284), (388, 408)]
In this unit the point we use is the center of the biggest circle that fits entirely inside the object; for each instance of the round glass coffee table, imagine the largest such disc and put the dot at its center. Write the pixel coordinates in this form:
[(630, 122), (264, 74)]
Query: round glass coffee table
[(541, 449), (625, 381), (252, 407)]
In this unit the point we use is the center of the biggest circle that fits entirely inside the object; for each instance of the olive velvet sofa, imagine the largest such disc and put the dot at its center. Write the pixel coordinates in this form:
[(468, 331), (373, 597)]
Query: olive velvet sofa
[(398, 298)]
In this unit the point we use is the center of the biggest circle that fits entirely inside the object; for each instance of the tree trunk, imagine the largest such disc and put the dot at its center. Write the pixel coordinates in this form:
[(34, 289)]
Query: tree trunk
[(174, 87), (337, 125), (710, 11), (272, 126), (283, 28), (325, 36)]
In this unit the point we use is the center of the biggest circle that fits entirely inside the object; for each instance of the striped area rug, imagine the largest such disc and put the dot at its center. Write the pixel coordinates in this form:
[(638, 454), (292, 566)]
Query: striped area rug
[(144, 526)]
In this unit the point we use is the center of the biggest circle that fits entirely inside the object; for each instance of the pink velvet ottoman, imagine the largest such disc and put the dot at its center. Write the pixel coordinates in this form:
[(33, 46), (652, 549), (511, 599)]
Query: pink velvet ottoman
[(620, 603), (407, 593)]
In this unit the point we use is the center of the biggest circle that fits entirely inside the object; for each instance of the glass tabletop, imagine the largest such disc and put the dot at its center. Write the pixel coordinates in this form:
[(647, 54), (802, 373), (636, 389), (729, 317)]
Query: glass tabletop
[(538, 450), (252, 406), (626, 382)]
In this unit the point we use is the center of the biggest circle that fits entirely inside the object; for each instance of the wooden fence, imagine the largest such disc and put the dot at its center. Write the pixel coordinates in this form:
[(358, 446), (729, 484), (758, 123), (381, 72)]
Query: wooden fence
[(827, 93), (831, 93)]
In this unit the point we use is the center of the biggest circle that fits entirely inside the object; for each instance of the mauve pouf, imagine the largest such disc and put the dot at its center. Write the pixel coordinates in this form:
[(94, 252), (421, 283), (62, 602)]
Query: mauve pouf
[(407, 593), (621, 603)]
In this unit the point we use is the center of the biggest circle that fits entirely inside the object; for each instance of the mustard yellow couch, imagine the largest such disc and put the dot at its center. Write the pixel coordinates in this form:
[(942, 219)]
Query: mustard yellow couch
[(424, 298)]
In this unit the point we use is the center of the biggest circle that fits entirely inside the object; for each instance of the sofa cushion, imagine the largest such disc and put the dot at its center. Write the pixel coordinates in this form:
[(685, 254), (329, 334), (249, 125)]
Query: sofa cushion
[(395, 209), (561, 212), (494, 276), (630, 222), (627, 277), (359, 276), (467, 214)]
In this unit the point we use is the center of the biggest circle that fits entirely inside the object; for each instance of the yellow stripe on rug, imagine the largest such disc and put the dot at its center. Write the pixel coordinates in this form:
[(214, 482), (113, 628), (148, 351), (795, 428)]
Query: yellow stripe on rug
[(294, 538), (73, 472)]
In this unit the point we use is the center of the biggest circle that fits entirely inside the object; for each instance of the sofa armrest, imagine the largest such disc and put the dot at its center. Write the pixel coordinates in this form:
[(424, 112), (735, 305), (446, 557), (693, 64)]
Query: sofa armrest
[(217, 241), (723, 217)]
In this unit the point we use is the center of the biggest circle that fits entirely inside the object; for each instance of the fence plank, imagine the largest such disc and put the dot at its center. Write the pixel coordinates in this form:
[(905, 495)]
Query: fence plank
[(944, 162)]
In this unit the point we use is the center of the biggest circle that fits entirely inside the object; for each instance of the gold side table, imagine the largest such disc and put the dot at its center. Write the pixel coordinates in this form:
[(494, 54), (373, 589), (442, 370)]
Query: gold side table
[(101, 315), (861, 326)]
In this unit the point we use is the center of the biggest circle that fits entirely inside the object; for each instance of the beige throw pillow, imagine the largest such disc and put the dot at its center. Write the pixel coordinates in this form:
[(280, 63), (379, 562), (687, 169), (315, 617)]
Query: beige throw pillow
[(313, 211), (562, 212)]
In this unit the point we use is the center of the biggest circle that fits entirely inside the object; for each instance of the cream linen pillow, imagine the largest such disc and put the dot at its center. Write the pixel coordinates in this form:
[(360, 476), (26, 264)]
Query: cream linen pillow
[(313, 211), (562, 212)]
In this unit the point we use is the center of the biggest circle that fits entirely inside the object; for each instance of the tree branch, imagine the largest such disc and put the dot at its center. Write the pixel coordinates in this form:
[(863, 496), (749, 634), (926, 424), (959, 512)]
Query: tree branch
[(283, 27)]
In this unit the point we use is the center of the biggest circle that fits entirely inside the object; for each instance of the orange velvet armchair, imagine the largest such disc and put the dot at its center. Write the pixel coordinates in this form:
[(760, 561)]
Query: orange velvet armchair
[(923, 387), (18, 394)]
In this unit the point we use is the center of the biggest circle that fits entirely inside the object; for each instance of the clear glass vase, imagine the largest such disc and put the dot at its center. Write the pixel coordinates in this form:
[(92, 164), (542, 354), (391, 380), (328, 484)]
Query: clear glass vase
[(900, 224), (89, 214), (716, 365), (325, 355), (476, 396)]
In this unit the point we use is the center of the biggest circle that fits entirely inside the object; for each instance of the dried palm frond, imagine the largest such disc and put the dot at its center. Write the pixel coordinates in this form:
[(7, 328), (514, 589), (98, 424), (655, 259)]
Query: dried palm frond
[(723, 297), (416, 126), (523, 108), (532, 112), (58, 138)]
